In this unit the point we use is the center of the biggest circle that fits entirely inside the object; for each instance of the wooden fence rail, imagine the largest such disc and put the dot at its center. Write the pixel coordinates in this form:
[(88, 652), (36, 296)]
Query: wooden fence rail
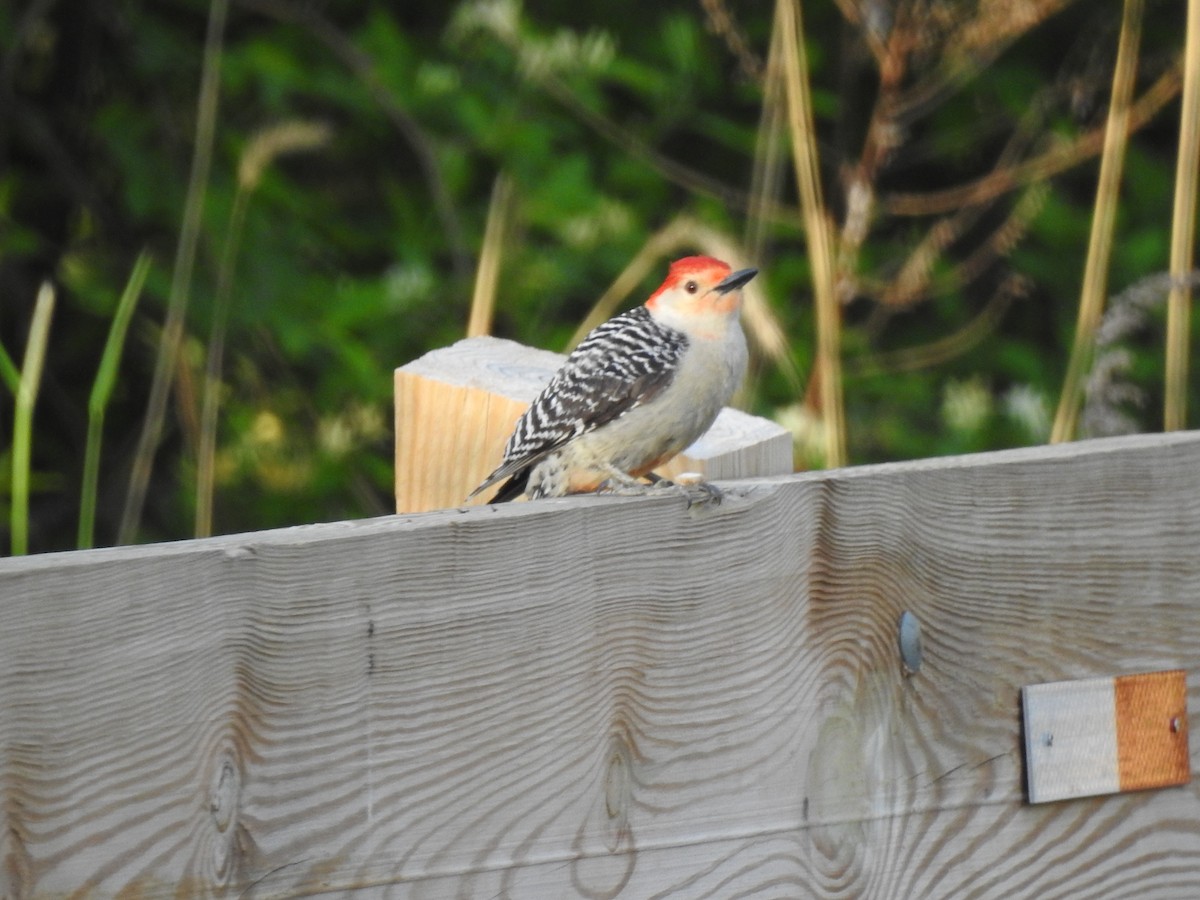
[(609, 697)]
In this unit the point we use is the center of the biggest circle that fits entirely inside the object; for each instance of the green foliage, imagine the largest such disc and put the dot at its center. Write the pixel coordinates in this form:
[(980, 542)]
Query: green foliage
[(356, 256)]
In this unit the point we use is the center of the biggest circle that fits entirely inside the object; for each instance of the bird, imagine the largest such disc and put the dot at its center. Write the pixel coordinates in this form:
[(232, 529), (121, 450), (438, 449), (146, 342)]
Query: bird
[(635, 392)]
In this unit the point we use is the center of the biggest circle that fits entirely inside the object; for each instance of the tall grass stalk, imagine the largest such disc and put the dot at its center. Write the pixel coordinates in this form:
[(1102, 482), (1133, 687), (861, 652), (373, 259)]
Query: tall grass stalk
[(1095, 274), (206, 450), (181, 278), (266, 145), (102, 388), (789, 30), (1183, 230), (487, 275), (767, 173), (27, 390)]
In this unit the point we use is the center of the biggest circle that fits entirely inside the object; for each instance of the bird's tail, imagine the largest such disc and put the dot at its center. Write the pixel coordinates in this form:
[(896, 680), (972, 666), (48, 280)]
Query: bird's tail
[(510, 490)]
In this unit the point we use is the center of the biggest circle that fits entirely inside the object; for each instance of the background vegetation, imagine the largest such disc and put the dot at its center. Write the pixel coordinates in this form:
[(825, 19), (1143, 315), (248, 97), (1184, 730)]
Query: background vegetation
[(318, 190)]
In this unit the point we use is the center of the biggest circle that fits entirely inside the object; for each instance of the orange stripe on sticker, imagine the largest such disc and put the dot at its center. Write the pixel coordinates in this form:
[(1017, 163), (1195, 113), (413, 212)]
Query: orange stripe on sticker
[(1152, 734)]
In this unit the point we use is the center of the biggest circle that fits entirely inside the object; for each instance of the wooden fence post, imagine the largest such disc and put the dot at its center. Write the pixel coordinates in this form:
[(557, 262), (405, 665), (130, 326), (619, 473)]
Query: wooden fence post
[(456, 406)]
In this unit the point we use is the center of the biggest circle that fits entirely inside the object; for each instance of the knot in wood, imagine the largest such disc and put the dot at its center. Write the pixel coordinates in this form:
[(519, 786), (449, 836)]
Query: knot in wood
[(226, 789), (618, 782)]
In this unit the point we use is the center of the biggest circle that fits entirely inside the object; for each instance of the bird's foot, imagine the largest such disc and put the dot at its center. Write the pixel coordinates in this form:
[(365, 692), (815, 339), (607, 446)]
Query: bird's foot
[(625, 485), (692, 486), (697, 491)]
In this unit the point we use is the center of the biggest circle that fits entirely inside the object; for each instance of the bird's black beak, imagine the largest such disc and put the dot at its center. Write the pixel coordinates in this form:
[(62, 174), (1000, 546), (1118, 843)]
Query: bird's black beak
[(735, 280)]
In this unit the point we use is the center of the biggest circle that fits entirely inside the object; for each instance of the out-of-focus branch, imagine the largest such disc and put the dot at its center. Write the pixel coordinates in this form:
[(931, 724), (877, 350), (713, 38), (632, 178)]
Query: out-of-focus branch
[(1057, 159), (934, 353), (722, 24), (913, 283)]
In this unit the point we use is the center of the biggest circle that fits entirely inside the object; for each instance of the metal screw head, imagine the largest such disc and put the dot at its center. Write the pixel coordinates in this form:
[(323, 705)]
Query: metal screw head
[(910, 642)]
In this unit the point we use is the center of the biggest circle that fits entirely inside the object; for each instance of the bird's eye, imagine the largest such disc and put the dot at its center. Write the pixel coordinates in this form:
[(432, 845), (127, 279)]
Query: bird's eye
[(691, 287)]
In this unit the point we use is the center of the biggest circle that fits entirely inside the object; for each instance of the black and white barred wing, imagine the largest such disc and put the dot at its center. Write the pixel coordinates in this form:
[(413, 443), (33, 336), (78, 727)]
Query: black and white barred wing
[(621, 364)]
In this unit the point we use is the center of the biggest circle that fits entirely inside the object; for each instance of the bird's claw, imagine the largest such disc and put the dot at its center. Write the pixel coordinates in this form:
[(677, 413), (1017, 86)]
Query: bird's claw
[(701, 493), (696, 490)]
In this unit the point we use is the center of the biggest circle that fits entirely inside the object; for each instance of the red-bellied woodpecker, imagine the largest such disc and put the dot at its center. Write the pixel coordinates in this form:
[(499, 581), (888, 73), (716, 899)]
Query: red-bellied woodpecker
[(635, 392)]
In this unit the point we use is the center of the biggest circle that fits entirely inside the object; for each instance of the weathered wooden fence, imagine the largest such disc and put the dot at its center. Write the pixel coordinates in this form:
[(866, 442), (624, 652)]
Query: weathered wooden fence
[(609, 697)]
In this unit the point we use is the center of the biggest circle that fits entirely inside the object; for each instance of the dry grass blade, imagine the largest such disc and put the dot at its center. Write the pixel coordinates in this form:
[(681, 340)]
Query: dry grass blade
[(1095, 275), (1183, 230), (790, 32), (27, 390), (206, 443), (767, 174), (487, 276), (181, 279)]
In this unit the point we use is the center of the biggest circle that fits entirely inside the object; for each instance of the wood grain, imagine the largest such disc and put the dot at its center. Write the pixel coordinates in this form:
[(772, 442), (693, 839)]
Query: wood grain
[(456, 407), (609, 697)]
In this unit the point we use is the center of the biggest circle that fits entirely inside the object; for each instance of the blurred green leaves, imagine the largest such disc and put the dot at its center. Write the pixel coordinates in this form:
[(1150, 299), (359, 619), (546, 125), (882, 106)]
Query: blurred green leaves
[(356, 255)]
